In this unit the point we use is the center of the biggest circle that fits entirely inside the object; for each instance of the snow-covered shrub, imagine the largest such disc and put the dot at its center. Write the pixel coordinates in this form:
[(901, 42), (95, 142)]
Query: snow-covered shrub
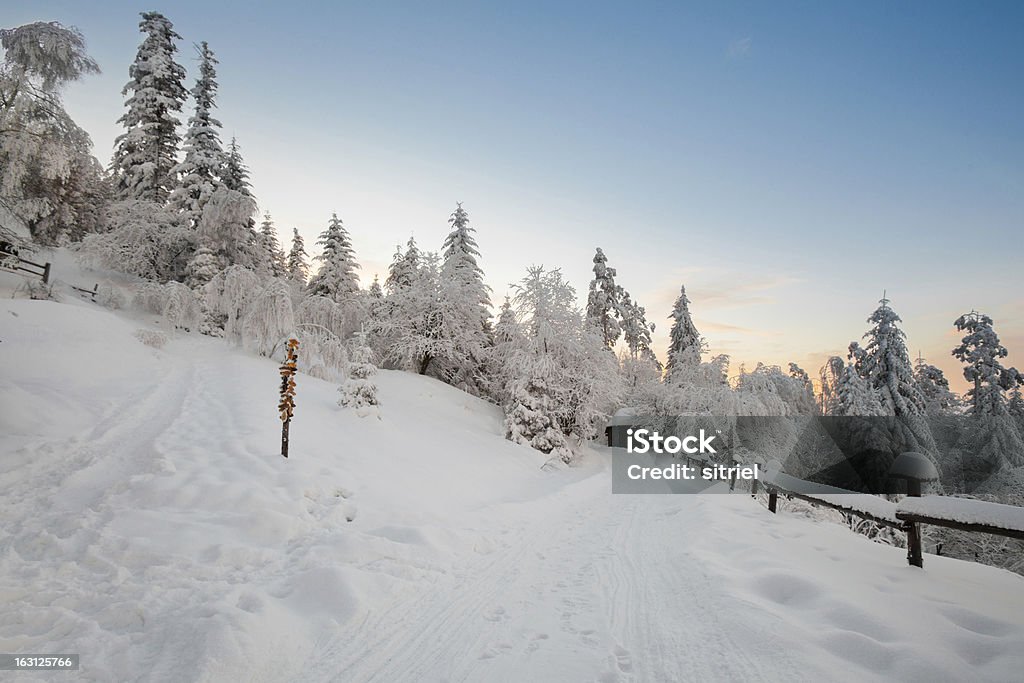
[(110, 297), (323, 354), (144, 239), (38, 290), (359, 391), (153, 338), (227, 297), (224, 228), (150, 298), (268, 320), (181, 307)]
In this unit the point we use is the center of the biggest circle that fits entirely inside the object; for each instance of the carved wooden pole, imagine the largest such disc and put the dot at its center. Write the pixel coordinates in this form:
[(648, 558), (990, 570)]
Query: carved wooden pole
[(287, 404)]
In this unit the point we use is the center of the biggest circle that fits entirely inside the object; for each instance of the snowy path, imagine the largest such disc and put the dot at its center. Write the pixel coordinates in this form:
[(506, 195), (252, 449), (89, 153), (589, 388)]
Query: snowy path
[(592, 593)]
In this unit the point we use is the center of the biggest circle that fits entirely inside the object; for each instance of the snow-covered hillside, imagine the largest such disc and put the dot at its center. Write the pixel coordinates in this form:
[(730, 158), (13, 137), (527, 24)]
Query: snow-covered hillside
[(149, 524)]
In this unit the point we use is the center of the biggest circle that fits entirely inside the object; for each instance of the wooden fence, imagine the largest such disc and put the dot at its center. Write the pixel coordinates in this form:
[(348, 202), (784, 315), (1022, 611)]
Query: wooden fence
[(907, 515), (10, 259)]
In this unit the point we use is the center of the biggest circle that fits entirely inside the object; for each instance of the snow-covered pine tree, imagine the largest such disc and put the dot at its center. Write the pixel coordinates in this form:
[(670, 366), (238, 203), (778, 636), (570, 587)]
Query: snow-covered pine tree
[(199, 172), (604, 303), (337, 277), (885, 364), (234, 173), (980, 351), (1015, 406), (48, 176), (403, 268), (468, 300), (934, 387), (636, 331), (508, 338), (993, 440), (145, 155), (375, 289), (297, 264), (461, 270), (359, 391), (856, 397), (273, 256), (685, 343), (639, 365)]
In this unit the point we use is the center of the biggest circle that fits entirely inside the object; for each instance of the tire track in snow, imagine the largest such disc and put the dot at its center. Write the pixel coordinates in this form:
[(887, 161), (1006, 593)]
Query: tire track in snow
[(596, 589)]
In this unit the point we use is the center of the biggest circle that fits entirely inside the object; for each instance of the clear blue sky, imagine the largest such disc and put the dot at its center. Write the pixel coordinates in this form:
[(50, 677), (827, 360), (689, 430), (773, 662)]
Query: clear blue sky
[(786, 161)]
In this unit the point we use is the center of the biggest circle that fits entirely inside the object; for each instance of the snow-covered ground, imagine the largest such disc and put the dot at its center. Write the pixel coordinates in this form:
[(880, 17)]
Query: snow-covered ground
[(148, 523)]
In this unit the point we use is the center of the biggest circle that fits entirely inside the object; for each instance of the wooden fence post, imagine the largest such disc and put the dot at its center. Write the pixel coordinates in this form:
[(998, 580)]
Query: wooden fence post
[(46, 274), (773, 500)]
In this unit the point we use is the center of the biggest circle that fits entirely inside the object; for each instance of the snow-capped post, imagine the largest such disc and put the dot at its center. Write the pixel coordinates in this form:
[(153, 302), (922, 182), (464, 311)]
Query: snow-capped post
[(287, 404), (914, 468)]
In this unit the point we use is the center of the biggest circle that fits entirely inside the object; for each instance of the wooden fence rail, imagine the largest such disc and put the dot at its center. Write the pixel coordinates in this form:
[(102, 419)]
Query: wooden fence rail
[(955, 513)]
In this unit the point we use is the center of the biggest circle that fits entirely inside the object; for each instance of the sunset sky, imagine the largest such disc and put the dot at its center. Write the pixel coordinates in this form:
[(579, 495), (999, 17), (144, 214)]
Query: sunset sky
[(785, 161)]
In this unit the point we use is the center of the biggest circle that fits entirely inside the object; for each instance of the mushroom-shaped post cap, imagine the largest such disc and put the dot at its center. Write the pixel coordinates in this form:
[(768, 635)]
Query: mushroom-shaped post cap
[(913, 466), (773, 465)]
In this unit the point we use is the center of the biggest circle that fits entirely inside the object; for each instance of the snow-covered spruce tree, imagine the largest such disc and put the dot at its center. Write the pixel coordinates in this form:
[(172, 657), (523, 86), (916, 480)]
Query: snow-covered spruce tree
[(507, 339), (993, 441), (359, 391), (685, 343), (297, 264), (856, 397), (604, 307), (273, 257), (234, 173), (1015, 405), (376, 292), (980, 351), (468, 301), (402, 272), (337, 277), (636, 331), (145, 155), (48, 177), (268, 321), (885, 364), (934, 387), (638, 363), (199, 173)]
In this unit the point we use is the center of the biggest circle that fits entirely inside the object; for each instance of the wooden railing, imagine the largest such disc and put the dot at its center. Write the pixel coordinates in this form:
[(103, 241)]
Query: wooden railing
[(10, 259), (907, 515)]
